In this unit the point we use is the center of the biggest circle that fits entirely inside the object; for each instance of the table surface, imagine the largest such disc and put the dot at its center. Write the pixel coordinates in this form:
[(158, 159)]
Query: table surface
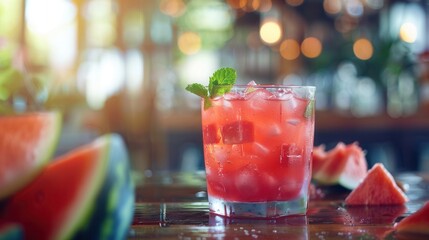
[(174, 206)]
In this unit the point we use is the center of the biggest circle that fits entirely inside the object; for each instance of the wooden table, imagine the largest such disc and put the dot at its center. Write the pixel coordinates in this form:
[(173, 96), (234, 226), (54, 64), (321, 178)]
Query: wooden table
[(174, 206)]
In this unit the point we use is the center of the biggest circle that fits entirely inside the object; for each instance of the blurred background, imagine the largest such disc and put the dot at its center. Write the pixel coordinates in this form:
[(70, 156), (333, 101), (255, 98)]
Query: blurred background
[(121, 66)]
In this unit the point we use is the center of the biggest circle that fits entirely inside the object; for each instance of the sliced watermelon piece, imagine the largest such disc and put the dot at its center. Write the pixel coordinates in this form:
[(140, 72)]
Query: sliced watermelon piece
[(85, 194), (319, 157), (355, 169), (417, 222), (333, 165), (27, 142), (377, 188), (10, 231), (344, 164)]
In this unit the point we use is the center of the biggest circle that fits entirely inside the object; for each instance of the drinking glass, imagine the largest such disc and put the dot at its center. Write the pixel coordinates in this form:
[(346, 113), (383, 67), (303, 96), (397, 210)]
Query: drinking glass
[(258, 142)]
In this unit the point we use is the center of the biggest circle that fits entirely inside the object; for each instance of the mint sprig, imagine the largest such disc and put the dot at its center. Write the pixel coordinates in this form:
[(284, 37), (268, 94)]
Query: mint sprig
[(220, 83)]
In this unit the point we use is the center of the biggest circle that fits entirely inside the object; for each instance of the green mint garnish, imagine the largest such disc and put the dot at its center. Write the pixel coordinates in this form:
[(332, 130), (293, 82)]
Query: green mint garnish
[(309, 109), (219, 83)]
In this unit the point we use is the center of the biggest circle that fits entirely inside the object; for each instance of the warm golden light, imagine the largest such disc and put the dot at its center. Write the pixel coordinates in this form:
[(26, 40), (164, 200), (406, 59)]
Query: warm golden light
[(294, 3), (172, 8), (363, 49), (265, 6), (408, 32), (270, 31), (289, 49), (332, 6), (189, 43), (311, 47), (237, 4)]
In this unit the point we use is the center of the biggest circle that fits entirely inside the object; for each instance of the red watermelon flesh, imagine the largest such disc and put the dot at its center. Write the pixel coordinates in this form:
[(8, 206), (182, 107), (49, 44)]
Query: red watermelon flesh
[(344, 164), (377, 188), (319, 157), (417, 222), (27, 142), (45, 206), (355, 168), (332, 166)]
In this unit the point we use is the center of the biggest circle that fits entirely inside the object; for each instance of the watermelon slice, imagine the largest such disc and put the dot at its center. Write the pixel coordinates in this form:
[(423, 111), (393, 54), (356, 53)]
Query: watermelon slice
[(377, 188), (319, 157), (10, 231), (344, 164), (85, 194), (355, 169), (27, 142), (417, 222)]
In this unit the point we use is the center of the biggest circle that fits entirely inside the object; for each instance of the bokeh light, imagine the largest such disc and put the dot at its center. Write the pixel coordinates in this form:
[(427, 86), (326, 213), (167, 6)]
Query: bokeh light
[(408, 32), (189, 43), (237, 4), (294, 3), (332, 6), (172, 8), (311, 47), (354, 8), (270, 31), (289, 49), (265, 6), (363, 49)]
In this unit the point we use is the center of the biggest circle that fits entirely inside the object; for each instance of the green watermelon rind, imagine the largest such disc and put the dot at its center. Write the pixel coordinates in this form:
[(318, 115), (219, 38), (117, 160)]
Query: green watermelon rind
[(114, 207), (341, 176), (104, 196), (80, 214), (11, 232), (26, 177)]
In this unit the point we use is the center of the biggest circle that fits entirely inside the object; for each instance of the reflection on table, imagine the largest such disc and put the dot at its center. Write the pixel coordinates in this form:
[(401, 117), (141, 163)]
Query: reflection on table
[(174, 206)]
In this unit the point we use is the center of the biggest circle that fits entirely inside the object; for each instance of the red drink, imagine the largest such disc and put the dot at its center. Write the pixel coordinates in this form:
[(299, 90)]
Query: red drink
[(258, 142)]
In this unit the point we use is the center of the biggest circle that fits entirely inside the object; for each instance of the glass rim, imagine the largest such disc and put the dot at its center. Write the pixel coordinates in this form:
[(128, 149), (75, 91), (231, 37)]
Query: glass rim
[(266, 86)]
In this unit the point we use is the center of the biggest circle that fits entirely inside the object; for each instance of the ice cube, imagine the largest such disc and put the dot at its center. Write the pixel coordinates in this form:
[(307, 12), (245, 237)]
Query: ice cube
[(220, 154), (290, 189), (238, 132), (290, 104), (252, 83), (291, 154), (246, 182), (274, 130), (260, 149), (217, 187), (257, 99), (293, 121), (281, 94), (252, 183)]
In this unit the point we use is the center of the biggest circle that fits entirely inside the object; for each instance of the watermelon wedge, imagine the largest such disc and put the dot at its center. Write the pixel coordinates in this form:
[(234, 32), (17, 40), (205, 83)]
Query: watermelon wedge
[(377, 188), (318, 158), (84, 194), (27, 142), (344, 164), (417, 222), (10, 231)]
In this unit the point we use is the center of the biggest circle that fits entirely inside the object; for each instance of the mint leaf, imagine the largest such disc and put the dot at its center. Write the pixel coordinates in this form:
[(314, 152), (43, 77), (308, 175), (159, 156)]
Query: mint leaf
[(221, 82), (198, 89), (309, 109)]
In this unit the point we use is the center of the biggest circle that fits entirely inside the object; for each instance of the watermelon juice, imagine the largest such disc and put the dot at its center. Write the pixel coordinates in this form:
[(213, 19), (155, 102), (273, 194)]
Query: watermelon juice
[(258, 141)]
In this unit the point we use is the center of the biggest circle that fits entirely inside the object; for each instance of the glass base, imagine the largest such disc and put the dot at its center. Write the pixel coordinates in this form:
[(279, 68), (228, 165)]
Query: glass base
[(273, 209)]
